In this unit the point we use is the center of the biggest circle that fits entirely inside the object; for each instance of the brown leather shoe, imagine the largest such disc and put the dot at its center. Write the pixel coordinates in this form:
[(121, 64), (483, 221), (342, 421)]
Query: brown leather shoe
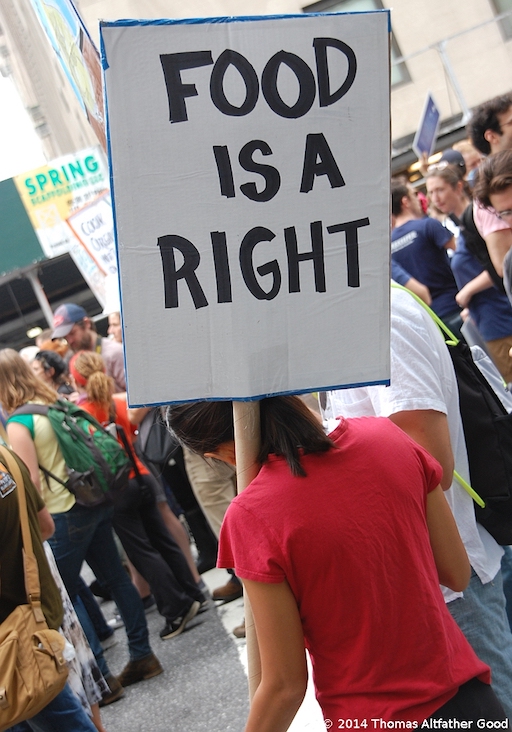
[(115, 693), (140, 670), (232, 590), (239, 631)]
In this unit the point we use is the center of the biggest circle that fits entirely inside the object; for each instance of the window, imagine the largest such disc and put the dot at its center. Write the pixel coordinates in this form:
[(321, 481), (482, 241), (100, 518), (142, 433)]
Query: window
[(503, 6), (399, 73)]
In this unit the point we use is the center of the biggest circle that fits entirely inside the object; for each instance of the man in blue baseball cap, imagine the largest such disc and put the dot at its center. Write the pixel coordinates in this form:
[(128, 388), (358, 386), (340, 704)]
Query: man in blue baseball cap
[(71, 322)]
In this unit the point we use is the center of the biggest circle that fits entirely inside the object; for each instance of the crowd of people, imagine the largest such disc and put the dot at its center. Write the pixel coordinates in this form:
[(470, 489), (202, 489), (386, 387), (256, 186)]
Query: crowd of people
[(355, 541), (153, 566)]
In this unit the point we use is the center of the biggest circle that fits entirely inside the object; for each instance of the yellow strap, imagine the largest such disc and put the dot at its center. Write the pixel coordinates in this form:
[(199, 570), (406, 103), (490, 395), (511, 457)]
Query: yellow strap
[(474, 495), (450, 340)]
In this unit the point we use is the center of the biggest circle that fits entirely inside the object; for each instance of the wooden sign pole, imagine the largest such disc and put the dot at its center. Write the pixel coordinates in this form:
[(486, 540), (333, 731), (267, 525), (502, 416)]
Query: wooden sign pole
[(246, 417)]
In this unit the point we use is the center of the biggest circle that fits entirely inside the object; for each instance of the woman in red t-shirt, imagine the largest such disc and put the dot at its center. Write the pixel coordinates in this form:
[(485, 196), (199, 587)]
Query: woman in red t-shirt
[(341, 542), (137, 520)]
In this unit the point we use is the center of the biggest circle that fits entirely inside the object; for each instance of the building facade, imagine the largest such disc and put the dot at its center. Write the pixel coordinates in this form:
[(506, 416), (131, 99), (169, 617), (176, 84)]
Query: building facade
[(460, 52)]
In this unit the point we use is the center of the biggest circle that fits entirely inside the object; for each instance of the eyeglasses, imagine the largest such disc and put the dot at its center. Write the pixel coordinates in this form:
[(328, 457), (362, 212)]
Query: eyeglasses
[(505, 215)]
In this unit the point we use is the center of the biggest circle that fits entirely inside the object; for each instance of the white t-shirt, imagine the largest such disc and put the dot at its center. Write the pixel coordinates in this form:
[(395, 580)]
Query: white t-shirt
[(422, 377)]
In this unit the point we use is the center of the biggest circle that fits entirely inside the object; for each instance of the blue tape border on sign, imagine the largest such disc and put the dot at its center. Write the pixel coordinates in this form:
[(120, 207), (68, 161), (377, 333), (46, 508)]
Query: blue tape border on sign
[(126, 22), (383, 382)]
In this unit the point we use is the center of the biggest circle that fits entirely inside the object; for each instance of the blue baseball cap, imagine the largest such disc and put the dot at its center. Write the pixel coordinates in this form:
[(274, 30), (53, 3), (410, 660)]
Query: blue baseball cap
[(65, 317)]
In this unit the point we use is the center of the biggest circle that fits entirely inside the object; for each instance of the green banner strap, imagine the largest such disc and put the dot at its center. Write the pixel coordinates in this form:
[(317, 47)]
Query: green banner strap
[(474, 495), (450, 339)]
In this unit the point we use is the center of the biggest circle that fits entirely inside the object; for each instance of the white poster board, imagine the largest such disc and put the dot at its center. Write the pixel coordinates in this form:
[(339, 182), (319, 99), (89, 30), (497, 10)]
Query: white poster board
[(250, 165), (93, 226)]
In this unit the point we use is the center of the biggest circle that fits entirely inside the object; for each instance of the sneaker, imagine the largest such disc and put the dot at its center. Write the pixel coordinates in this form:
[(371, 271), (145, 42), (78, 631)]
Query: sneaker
[(115, 622), (177, 626), (140, 670), (109, 642), (115, 692), (204, 606), (202, 586), (149, 603), (232, 590)]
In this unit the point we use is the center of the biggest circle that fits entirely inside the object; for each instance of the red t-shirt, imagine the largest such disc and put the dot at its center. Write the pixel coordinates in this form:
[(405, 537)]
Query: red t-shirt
[(351, 540)]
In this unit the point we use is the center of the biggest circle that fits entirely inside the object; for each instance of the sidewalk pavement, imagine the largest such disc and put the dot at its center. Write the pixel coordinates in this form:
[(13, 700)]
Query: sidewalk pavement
[(204, 684)]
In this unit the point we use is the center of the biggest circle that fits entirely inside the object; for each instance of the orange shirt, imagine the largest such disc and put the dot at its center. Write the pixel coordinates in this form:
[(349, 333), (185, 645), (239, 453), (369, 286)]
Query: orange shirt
[(103, 417)]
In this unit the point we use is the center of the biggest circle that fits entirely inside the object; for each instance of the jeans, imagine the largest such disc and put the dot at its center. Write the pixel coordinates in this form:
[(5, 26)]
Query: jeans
[(103, 630), (482, 617), (506, 571), (85, 534), (62, 714)]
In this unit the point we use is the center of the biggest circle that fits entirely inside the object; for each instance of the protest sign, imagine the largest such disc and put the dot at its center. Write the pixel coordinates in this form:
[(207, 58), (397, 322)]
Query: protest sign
[(52, 193), (250, 163), (93, 226), (78, 57), (426, 134)]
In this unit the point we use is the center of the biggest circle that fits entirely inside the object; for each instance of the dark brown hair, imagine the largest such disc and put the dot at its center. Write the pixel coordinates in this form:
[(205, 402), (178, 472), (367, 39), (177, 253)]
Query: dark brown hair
[(287, 426), (485, 118), (494, 175), (399, 191)]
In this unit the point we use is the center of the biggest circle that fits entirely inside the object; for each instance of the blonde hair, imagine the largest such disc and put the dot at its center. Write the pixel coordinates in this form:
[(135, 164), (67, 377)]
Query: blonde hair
[(19, 384), (99, 386)]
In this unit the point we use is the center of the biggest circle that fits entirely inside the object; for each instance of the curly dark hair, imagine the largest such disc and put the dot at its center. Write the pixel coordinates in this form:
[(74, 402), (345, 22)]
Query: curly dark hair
[(485, 118), (494, 175)]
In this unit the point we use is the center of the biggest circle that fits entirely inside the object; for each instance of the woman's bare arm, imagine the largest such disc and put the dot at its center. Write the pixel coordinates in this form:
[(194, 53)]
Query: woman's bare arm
[(23, 445), (46, 524), (283, 657)]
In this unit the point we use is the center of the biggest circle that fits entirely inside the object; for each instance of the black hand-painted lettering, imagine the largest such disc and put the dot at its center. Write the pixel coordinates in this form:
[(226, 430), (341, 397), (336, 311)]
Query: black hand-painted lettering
[(318, 147), (316, 255), (307, 86), (325, 97), (225, 171), (172, 65), (269, 173), (221, 263), (252, 88), (350, 228), (250, 240), (168, 244)]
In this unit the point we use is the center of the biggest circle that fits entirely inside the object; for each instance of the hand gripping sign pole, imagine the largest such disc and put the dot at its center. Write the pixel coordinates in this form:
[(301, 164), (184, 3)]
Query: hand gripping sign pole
[(246, 418)]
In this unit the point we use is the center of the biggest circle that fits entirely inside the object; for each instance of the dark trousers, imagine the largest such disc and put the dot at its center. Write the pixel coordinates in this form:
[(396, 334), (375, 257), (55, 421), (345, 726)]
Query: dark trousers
[(152, 551), (474, 701)]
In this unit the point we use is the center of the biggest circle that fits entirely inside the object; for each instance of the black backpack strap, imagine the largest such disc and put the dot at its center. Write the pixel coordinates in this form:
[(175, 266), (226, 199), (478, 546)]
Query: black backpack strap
[(130, 452), (477, 246), (49, 474)]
